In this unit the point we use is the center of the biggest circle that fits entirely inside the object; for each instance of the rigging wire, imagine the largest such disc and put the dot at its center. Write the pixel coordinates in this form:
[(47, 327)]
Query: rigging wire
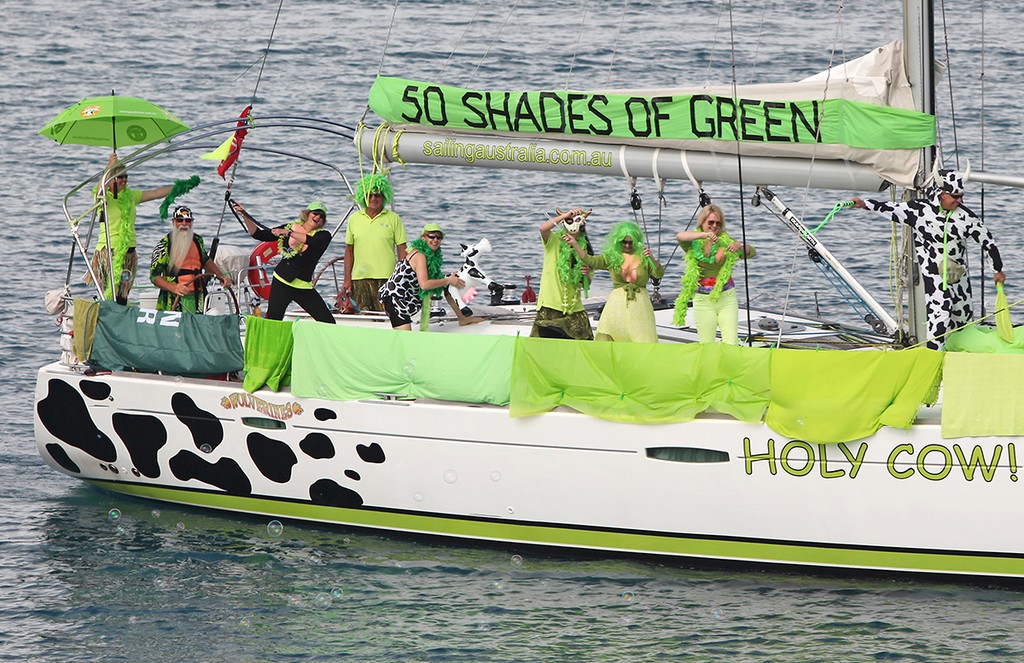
[(483, 57), (615, 44), (576, 47), (469, 24), (383, 53), (949, 82), (981, 249), (739, 173)]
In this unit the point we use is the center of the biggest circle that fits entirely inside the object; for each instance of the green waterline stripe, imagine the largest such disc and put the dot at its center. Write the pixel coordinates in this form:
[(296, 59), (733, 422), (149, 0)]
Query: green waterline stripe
[(832, 555)]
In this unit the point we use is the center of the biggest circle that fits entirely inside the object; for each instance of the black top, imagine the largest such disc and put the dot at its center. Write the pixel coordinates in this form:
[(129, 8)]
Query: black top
[(302, 265)]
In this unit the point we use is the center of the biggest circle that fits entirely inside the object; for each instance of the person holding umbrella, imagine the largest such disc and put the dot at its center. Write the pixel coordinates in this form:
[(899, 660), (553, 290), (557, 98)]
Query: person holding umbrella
[(119, 217)]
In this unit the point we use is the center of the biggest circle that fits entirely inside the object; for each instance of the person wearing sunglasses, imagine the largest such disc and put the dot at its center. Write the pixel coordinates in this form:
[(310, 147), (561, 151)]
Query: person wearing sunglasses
[(415, 278), (710, 257), (374, 242), (628, 314), (118, 214), (300, 243), (942, 225), (177, 266)]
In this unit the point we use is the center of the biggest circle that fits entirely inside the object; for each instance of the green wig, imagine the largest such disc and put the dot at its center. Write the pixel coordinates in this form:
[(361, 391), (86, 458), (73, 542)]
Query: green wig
[(613, 246), (370, 184)]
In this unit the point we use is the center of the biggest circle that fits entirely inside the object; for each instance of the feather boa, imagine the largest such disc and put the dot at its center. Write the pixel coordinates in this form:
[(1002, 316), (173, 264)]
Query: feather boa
[(691, 277), (178, 188), (434, 260)]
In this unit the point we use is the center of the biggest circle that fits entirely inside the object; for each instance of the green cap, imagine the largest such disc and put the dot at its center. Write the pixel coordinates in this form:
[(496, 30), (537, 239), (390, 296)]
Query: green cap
[(317, 205), (432, 228)]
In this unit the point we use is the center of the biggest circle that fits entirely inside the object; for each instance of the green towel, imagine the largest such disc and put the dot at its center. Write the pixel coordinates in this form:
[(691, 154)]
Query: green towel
[(87, 314), (981, 395), (268, 353), (840, 395)]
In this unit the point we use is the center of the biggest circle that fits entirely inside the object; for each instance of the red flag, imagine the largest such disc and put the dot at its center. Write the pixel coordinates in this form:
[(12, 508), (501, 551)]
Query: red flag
[(236, 142)]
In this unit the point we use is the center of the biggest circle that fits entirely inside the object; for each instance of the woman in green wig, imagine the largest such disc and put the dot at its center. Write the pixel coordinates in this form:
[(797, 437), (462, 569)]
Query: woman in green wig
[(710, 257), (628, 314)]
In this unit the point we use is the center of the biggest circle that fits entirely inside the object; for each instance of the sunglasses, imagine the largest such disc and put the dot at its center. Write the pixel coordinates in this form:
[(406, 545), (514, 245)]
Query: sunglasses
[(957, 196), (120, 177), (627, 241), (435, 236), (317, 212), (182, 219)]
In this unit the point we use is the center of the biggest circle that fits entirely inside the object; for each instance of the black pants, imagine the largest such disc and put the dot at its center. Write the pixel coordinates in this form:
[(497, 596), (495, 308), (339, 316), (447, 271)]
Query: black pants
[(282, 294)]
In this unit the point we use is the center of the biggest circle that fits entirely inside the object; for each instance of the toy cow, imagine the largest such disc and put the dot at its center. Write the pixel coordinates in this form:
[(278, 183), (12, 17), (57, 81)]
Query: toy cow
[(473, 277)]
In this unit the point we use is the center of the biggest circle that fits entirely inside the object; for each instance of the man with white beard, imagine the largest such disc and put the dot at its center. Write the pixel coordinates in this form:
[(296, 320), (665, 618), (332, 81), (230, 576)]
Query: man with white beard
[(178, 263)]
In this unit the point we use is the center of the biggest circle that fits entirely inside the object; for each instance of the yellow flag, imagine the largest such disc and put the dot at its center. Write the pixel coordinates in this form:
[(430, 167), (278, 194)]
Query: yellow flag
[(1003, 323), (221, 152)]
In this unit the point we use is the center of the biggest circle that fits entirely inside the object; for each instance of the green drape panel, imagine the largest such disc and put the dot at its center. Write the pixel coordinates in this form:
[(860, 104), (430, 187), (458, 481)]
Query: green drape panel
[(839, 395), (981, 395), (348, 363), (639, 382), (975, 338), (268, 353)]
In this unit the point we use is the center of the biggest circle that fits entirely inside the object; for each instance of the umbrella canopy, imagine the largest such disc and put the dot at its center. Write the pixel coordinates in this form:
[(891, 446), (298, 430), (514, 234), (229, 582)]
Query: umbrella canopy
[(114, 122)]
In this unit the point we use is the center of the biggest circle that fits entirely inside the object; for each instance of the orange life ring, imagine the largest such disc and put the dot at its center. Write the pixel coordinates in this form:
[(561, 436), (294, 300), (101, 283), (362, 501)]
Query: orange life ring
[(258, 261)]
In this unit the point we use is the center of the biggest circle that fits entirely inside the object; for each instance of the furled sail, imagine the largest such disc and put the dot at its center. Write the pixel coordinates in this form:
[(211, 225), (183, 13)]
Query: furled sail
[(856, 122)]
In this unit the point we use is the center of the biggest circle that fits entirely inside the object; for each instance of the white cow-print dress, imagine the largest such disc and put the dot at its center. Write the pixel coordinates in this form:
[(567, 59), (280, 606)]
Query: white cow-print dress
[(403, 287), (950, 307)]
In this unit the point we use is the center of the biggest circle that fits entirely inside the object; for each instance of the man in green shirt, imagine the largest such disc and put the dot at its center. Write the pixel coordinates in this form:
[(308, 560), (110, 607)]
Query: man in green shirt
[(374, 243)]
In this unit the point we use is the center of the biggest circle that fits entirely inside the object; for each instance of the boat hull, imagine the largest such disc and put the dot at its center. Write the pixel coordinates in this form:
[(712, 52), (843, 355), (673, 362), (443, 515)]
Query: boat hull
[(710, 489)]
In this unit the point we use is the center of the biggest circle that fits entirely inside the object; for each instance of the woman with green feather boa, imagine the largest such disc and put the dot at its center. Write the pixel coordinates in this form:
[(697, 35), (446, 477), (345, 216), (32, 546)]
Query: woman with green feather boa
[(119, 217), (710, 257), (628, 314), (560, 312), (416, 278)]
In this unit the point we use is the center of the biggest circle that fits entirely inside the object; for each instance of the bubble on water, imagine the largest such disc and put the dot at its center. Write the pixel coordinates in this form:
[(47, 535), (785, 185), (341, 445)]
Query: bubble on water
[(409, 370), (114, 515), (294, 600), (244, 622), (155, 513), (178, 379), (628, 597), (517, 560), (316, 557), (418, 496), (275, 528), (337, 593), (497, 584), (323, 600), (180, 526), (206, 448), (124, 470), (346, 540), (717, 614), (323, 390), (451, 476), (495, 476), (133, 619), (121, 530)]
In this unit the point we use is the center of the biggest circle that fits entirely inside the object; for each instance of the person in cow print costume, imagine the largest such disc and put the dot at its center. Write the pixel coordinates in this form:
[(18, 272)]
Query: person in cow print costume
[(416, 277), (941, 227)]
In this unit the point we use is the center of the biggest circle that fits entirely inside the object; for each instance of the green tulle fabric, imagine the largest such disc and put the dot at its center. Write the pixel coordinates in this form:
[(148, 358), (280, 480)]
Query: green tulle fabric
[(691, 277), (434, 260), (569, 266)]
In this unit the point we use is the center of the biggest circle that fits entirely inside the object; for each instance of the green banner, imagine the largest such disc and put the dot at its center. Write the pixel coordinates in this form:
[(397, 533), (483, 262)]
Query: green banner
[(674, 117)]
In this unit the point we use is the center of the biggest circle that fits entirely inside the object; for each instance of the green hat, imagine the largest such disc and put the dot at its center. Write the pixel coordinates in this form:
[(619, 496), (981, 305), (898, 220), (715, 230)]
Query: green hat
[(317, 205), (432, 228)]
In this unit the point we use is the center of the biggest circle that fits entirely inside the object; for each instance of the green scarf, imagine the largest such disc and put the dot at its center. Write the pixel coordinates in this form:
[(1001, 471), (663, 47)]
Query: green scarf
[(434, 260), (691, 277)]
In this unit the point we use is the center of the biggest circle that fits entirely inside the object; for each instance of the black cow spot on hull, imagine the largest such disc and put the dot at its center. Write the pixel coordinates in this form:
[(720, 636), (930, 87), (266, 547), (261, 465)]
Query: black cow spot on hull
[(323, 414), (224, 474), (352, 474), (326, 492), (204, 426), (61, 457), (65, 415), (370, 454), (144, 436), (317, 445), (273, 458), (98, 391)]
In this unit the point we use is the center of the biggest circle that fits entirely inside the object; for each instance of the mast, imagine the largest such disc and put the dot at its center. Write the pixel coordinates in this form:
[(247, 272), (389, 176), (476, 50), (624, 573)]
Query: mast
[(919, 37)]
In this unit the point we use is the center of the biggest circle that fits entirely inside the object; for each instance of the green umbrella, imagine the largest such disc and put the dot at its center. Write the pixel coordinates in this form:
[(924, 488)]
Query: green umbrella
[(113, 122)]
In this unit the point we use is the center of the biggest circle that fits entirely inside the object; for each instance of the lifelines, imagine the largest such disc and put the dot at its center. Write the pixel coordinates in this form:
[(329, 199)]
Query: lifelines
[(684, 117)]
